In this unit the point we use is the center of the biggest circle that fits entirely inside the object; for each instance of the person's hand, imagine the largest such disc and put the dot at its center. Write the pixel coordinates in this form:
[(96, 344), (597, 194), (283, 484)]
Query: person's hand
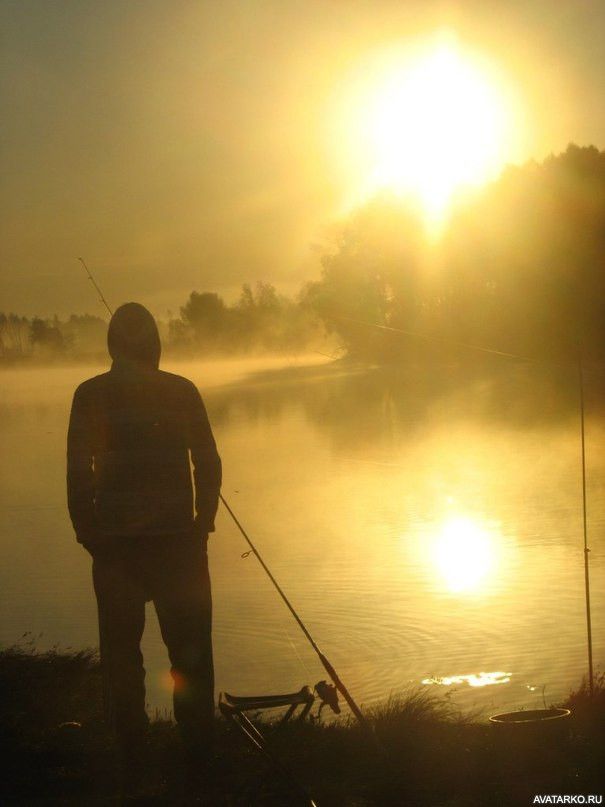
[(198, 533), (91, 540)]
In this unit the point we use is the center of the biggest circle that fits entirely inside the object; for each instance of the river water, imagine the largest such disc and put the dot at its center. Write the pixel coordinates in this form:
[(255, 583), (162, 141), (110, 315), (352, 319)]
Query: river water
[(426, 524)]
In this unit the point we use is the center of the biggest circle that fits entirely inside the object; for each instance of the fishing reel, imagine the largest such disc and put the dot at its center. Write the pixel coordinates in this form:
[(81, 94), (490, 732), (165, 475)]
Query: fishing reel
[(328, 695)]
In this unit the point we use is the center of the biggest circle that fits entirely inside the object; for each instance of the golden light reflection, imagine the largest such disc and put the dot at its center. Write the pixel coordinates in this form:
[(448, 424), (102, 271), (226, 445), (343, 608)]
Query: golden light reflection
[(482, 679), (464, 554)]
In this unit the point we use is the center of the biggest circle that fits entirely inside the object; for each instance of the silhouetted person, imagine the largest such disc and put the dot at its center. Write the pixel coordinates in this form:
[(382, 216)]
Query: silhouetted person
[(132, 432)]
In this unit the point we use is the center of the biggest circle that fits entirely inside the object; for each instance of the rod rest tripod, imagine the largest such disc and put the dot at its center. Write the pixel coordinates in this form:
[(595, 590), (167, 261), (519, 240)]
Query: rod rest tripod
[(233, 707)]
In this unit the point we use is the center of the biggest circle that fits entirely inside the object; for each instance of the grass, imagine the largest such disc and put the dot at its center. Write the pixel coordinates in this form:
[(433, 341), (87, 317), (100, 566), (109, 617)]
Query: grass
[(432, 756)]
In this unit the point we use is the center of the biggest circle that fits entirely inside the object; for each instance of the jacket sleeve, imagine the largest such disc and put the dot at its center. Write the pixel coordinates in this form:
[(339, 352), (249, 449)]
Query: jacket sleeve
[(80, 481), (207, 469)]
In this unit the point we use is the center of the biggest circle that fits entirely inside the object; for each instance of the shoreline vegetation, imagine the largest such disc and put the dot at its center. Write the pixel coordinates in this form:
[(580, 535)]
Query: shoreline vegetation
[(517, 269), (57, 750)]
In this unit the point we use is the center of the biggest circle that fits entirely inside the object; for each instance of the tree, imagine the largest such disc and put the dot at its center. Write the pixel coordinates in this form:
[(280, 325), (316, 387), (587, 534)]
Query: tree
[(86, 333), (521, 267), (205, 313), (46, 337), (371, 276), (525, 263)]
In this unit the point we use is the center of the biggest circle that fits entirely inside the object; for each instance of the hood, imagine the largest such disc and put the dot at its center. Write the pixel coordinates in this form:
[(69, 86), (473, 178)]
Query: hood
[(133, 336)]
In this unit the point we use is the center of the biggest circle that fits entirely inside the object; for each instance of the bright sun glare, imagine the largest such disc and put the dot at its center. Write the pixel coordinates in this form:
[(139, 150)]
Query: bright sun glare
[(464, 554), (437, 123)]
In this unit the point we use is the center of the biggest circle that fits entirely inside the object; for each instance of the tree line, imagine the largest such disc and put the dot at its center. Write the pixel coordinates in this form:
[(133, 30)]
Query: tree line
[(260, 320), (520, 268)]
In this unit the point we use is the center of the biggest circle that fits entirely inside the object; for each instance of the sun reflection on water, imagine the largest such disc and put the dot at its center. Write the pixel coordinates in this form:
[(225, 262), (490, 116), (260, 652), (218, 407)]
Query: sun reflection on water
[(465, 554), (482, 679)]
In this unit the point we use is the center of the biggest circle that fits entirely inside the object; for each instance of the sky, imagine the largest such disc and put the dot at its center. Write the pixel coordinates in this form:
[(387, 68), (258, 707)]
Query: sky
[(200, 145)]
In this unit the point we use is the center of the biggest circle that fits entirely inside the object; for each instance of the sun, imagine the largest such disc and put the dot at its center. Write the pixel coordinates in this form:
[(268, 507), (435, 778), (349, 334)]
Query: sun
[(435, 123)]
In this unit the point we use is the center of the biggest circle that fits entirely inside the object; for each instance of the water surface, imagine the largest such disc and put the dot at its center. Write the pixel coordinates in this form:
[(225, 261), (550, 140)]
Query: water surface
[(427, 525)]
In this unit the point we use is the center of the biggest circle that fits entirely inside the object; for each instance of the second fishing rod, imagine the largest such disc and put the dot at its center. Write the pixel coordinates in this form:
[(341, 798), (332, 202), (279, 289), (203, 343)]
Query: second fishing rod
[(328, 667)]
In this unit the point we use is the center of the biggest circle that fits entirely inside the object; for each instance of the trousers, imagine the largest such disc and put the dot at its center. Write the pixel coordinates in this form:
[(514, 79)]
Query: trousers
[(172, 572)]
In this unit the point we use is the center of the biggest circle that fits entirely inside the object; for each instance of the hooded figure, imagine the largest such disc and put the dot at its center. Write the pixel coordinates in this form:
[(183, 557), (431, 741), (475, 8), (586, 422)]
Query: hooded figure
[(134, 434), (133, 336)]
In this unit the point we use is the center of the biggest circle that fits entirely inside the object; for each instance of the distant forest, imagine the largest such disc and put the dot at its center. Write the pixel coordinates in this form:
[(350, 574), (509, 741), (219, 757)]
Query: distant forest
[(261, 320), (520, 268)]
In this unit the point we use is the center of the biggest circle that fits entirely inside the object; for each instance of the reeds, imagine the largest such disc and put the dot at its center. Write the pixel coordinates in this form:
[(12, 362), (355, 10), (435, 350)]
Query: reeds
[(433, 754)]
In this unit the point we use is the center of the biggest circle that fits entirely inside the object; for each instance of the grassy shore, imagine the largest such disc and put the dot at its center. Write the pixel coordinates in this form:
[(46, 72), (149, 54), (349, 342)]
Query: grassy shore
[(432, 755)]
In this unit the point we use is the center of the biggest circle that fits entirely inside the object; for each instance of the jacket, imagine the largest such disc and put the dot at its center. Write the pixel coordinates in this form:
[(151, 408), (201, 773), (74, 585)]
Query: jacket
[(135, 434)]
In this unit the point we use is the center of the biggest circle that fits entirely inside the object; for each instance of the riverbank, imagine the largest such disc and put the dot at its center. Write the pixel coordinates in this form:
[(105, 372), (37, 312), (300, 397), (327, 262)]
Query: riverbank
[(56, 750)]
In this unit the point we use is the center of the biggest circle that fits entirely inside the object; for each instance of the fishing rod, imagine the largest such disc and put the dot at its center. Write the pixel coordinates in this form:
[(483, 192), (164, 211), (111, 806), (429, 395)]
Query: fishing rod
[(326, 664), (323, 659), (585, 525), (94, 283), (581, 374)]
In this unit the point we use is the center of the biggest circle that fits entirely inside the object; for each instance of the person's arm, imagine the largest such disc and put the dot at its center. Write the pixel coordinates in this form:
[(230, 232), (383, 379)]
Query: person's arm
[(80, 481), (207, 470)]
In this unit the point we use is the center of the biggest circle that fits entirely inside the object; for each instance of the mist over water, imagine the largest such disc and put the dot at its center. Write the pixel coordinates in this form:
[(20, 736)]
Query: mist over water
[(426, 524)]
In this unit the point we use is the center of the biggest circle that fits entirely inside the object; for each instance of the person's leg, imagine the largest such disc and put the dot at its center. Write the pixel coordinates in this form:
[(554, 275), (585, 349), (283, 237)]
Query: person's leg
[(183, 603), (121, 607)]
